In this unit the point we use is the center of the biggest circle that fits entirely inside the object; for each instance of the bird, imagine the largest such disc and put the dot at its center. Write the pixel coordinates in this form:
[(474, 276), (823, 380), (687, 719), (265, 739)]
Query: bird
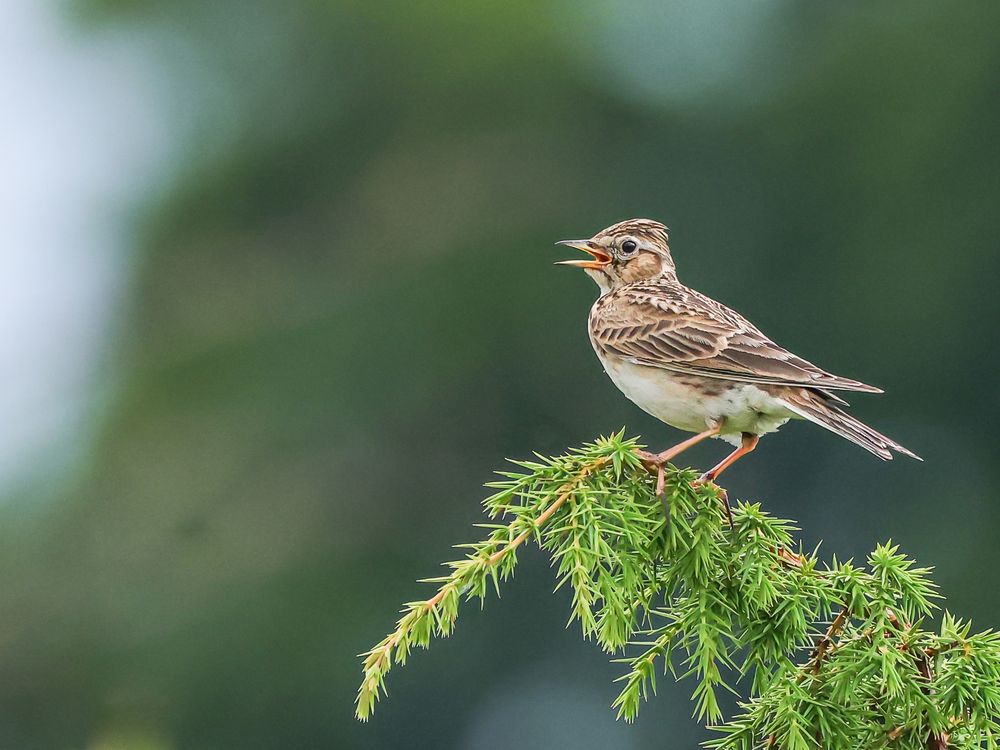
[(698, 365)]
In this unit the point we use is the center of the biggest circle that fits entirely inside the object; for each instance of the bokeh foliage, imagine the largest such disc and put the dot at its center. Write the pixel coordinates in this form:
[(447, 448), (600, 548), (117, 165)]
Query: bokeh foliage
[(342, 313)]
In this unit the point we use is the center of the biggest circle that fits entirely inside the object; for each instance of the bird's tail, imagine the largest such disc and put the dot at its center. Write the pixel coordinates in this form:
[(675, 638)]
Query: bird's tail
[(816, 409)]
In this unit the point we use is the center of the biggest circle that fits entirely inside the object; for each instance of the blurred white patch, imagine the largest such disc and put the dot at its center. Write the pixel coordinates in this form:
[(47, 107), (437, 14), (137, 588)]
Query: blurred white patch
[(81, 136)]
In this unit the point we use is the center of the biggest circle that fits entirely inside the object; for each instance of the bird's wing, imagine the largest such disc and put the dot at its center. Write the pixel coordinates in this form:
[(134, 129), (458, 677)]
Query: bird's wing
[(678, 329)]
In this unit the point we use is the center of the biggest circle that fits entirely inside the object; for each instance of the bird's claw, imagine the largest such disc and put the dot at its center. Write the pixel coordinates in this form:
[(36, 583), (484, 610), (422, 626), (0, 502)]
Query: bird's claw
[(649, 460), (706, 480), (653, 462)]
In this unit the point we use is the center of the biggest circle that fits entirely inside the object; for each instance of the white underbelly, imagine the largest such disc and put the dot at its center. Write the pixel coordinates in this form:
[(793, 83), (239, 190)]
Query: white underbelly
[(693, 404)]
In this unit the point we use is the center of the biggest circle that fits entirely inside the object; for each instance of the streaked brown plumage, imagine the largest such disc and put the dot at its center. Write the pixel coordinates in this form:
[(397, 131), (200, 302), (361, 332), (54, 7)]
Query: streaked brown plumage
[(696, 364)]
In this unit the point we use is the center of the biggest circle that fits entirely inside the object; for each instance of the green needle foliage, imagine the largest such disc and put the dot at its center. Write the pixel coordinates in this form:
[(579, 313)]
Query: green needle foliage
[(830, 655)]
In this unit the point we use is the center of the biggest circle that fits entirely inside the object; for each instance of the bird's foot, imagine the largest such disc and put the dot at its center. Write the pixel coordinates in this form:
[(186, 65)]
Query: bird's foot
[(708, 480), (648, 459), (655, 463)]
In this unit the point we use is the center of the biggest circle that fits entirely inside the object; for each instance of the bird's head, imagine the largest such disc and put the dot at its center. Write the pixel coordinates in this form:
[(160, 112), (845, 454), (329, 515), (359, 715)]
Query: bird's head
[(627, 252)]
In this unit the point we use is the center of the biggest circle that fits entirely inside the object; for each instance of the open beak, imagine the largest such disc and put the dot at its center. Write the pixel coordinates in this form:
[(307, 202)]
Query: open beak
[(599, 258)]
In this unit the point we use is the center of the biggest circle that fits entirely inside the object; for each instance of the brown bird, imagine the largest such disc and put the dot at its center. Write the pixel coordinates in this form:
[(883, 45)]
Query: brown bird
[(696, 364)]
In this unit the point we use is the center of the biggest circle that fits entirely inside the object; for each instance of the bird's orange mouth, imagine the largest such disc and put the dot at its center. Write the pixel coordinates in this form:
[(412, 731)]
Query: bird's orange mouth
[(600, 257)]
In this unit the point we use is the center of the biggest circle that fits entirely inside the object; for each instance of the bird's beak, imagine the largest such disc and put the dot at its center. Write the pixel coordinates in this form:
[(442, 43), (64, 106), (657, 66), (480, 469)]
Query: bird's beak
[(600, 257)]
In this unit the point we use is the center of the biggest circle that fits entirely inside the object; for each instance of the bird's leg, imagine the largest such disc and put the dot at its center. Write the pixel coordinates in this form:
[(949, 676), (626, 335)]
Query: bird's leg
[(747, 444), (659, 460)]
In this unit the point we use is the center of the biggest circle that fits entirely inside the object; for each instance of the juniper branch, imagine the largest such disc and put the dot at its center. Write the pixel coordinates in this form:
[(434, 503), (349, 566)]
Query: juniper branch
[(728, 607)]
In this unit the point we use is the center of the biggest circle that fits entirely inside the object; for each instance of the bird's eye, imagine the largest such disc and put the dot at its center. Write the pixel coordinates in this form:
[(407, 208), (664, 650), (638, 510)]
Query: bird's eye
[(628, 247)]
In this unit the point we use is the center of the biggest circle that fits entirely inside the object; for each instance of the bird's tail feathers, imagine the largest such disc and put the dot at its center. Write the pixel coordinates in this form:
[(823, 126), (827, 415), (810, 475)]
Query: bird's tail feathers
[(814, 408)]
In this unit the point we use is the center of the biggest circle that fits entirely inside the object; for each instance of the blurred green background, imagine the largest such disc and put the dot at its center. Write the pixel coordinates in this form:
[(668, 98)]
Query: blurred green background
[(278, 296)]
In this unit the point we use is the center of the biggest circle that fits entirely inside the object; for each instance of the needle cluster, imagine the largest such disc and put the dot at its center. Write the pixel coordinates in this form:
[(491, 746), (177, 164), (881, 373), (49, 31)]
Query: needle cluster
[(829, 655)]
